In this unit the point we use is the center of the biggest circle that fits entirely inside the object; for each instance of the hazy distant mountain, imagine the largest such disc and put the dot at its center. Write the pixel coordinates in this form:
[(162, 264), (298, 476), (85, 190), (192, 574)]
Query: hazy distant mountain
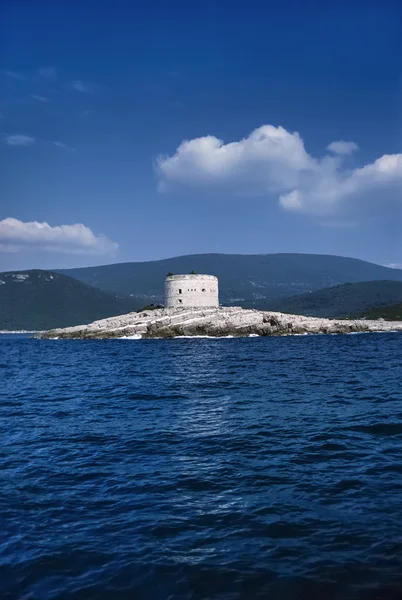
[(43, 300), (243, 279), (349, 299)]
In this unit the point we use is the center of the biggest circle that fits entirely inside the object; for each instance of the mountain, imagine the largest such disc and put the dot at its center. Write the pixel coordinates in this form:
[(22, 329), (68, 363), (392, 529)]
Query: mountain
[(37, 299), (245, 280), (389, 313), (345, 300)]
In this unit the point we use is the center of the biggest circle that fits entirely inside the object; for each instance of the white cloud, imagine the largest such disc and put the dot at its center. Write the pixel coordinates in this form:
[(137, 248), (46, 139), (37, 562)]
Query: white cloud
[(40, 98), (82, 86), (19, 140), (269, 159), (272, 162), (45, 72), (292, 201), (49, 72), (394, 265), (15, 75), (342, 147), (62, 145), (16, 236)]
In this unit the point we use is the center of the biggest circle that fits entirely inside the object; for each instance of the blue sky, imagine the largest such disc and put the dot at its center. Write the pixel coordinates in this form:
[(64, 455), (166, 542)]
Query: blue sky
[(97, 104)]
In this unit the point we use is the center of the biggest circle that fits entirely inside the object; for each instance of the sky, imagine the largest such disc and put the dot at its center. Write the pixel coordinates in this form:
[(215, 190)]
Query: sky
[(135, 131)]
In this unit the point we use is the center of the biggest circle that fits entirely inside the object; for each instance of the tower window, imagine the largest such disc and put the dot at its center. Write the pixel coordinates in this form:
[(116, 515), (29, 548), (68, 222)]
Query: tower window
[(204, 290), (179, 291), (180, 301)]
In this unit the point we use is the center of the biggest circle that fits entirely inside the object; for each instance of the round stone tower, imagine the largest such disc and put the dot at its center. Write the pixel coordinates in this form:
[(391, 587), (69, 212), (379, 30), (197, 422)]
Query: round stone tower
[(191, 291)]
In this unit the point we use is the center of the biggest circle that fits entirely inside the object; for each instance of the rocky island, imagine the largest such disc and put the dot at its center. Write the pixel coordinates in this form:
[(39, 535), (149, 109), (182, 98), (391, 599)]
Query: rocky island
[(214, 322)]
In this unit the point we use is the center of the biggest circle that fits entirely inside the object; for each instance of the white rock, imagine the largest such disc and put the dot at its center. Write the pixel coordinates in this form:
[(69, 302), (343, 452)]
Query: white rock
[(224, 321)]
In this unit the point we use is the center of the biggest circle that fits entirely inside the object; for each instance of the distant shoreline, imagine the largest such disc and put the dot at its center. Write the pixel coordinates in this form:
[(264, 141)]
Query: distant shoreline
[(16, 332)]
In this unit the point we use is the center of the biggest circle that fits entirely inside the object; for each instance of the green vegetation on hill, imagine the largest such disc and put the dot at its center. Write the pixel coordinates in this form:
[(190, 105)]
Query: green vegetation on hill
[(389, 313), (35, 300), (244, 280), (340, 301), (149, 307), (44, 299)]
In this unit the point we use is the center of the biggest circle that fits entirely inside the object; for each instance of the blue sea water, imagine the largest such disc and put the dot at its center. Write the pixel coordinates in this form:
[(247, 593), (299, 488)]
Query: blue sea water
[(201, 468)]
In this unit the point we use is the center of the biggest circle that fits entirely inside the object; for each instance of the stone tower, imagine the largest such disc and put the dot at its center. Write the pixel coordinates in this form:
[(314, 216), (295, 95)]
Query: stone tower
[(191, 291)]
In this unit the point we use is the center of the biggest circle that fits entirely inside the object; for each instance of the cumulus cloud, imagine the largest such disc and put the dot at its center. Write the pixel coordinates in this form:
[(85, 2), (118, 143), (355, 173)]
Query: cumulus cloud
[(16, 236), (269, 159), (273, 162), (342, 147), (19, 140)]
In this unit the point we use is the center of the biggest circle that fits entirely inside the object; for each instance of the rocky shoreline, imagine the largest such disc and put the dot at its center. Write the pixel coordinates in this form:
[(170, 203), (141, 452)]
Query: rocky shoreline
[(214, 322)]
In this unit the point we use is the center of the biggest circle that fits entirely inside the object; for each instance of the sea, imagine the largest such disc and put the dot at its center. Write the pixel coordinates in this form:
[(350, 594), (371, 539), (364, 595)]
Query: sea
[(197, 469)]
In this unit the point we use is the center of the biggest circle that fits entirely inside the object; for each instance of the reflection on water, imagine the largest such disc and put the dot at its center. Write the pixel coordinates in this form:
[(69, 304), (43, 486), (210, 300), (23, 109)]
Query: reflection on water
[(196, 373), (253, 468)]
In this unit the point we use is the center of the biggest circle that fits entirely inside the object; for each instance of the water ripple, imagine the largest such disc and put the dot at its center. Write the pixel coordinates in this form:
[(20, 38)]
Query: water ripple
[(194, 469)]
